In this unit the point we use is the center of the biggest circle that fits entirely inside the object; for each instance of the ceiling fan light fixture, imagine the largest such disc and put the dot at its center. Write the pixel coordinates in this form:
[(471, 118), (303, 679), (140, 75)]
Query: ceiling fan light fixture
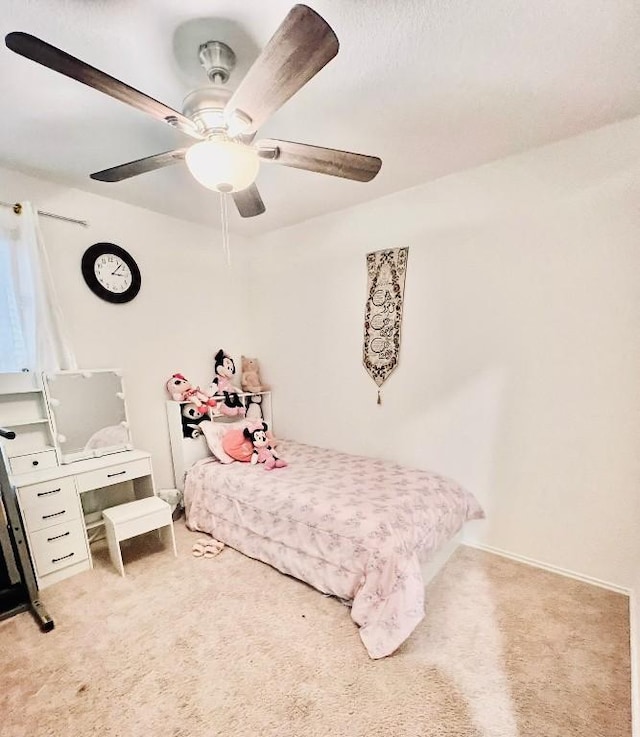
[(224, 166)]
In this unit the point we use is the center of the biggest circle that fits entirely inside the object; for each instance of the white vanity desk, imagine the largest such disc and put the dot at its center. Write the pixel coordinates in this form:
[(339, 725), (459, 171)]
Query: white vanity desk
[(50, 501), (72, 426)]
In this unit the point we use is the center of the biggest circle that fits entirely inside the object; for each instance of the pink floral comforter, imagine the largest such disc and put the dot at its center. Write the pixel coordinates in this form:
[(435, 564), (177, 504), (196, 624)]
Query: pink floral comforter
[(354, 527)]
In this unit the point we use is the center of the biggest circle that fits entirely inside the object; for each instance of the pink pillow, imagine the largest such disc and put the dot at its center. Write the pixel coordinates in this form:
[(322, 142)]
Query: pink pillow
[(237, 446)]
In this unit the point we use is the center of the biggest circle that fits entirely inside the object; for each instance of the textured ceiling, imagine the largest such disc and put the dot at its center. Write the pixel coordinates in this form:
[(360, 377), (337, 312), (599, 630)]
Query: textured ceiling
[(430, 86)]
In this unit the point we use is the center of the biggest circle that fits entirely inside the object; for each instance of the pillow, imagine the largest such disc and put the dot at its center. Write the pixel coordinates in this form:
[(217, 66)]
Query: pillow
[(213, 433), (237, 446)]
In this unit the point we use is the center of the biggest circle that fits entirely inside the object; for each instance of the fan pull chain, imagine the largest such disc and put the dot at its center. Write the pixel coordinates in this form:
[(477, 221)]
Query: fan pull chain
[(224, 221), (379, 397)]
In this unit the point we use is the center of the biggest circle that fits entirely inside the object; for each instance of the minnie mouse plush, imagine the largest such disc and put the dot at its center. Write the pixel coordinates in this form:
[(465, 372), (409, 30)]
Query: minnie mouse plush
[(262, 450), (224, 369)]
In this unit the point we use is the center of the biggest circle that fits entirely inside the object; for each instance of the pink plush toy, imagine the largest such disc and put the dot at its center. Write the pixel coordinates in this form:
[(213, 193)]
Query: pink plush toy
[(181, 390), (262, 450)]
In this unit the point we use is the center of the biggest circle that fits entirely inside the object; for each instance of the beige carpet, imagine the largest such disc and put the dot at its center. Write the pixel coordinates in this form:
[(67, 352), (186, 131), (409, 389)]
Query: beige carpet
[(229, 647)]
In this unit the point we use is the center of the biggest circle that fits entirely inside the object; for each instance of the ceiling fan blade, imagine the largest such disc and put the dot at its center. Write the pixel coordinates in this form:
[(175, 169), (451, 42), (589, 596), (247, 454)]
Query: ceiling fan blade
[(59, 61), (297, 51), (141, 166), (331, 161), (249, 202)]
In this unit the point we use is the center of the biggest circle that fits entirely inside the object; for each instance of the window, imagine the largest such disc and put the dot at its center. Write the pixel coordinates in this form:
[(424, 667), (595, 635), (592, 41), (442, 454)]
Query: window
[(13, 342), (31, 330)]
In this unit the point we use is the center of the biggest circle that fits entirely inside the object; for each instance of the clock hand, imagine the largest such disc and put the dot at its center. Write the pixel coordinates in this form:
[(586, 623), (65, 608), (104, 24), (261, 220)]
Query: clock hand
[(115, 273)]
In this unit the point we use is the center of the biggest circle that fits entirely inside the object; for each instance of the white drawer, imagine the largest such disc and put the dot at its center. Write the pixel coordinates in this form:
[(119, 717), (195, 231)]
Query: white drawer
[(33, 462), (36, 494), (56, 505), (58, 546), (113, 474)]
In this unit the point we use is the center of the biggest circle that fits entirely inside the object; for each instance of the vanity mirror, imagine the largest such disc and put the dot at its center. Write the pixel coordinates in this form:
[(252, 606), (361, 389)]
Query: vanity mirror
[(88, 413)]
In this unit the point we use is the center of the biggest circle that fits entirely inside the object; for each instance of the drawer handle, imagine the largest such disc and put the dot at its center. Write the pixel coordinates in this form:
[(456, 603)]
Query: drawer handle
[(57, 537), (35, 463), (55, 514), (57, 560), (111, 475), (44, 493)]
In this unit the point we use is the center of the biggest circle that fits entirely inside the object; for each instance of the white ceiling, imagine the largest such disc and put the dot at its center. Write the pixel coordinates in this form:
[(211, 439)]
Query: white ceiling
[(430, 86)]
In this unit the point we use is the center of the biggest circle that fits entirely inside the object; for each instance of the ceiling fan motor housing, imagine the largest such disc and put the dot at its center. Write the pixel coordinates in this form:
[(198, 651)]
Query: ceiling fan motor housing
[(205, 106)]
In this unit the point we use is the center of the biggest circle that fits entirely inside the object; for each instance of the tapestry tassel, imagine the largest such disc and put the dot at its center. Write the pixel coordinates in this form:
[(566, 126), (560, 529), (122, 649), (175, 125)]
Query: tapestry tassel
[(379, 397)]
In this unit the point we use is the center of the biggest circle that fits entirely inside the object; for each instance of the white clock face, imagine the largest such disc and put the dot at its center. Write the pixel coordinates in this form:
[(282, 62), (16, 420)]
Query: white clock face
[(113, 273)]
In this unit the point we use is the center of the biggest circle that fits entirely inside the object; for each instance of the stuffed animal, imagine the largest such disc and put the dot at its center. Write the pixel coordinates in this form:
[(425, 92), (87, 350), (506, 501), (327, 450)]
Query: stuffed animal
[(181, 390), (191, 417), (263, 452), (250, 376), (223, 387), (254, 407)]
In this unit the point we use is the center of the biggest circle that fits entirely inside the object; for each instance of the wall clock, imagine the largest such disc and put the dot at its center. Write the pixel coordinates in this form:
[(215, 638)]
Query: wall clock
[(111, 273)]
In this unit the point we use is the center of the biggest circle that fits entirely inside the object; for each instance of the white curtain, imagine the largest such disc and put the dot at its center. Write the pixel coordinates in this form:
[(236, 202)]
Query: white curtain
[(32, 331)]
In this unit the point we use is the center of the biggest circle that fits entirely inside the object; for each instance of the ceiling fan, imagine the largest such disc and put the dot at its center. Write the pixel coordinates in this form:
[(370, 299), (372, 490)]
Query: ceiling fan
[(225, 123)]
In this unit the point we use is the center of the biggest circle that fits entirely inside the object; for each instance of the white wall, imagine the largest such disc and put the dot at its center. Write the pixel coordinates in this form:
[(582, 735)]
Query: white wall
[(520, 363), (190, 304)]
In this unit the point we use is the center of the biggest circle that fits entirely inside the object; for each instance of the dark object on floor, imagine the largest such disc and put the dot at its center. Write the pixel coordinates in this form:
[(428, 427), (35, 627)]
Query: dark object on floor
[(18, 589)]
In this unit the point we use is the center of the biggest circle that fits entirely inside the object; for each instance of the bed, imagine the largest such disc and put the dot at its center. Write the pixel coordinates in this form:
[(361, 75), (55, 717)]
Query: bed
[(357, 528)]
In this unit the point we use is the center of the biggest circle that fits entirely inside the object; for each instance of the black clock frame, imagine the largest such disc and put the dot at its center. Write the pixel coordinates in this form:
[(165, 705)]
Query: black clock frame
[(89, 258)]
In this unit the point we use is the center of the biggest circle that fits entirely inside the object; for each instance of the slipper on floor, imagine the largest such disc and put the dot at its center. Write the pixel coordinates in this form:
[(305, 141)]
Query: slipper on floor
[(198, 550), (207, 548), (213, 548)]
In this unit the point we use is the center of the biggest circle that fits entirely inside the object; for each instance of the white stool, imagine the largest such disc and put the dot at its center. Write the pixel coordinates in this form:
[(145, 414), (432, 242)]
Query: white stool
[(135, 518)]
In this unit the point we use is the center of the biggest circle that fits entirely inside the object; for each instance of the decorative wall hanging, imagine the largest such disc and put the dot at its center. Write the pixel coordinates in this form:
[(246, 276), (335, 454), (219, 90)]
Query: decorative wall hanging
[(383, 313)]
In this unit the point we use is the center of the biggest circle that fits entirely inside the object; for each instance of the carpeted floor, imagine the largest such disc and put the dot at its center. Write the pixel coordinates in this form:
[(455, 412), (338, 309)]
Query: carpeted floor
[(229, 647)]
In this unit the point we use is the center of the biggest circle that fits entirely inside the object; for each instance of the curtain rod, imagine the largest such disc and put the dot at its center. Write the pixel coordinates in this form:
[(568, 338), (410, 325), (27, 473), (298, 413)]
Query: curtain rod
[(17, 208)]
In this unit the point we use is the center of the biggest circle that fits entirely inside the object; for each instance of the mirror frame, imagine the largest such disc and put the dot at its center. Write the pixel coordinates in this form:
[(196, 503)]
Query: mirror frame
[(82, 455)]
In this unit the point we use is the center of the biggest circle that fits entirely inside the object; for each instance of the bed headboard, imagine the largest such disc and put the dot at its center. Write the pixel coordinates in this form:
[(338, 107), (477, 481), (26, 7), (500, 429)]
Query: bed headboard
[(186, 451)]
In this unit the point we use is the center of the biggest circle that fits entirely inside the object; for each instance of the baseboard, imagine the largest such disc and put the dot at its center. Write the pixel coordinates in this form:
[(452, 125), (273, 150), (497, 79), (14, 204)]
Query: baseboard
[(635, 662), (552, 569)]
